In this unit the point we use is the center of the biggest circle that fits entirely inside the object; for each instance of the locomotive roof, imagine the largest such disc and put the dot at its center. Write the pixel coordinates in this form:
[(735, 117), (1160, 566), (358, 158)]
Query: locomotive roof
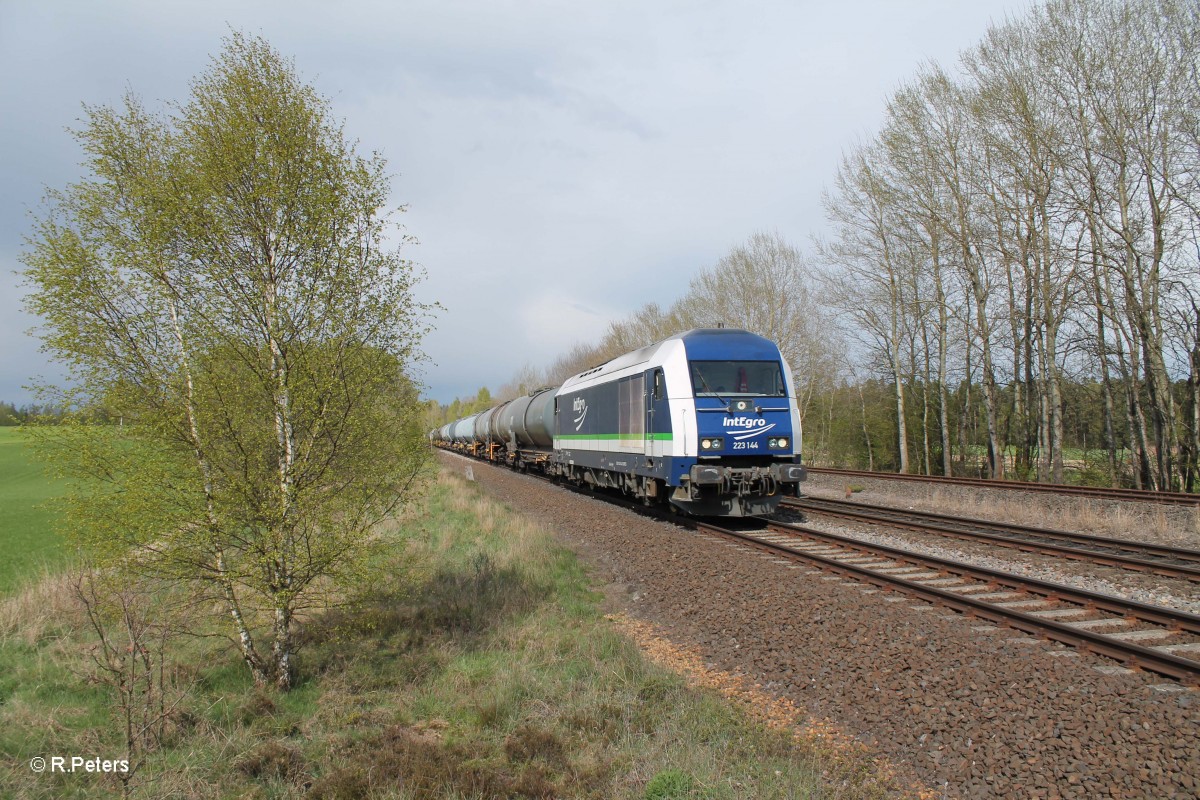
[(700, 343), (720, 343)]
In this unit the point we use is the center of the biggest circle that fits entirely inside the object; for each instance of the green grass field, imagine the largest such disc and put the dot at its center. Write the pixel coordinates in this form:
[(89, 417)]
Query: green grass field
[(29, 544)]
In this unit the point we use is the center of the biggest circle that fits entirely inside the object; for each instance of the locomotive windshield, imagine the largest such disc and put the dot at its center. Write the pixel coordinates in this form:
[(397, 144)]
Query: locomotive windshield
[(734, 378)]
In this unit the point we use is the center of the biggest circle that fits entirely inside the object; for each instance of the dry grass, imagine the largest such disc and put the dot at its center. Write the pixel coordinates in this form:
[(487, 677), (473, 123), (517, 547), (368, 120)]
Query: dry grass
[(41, 606)]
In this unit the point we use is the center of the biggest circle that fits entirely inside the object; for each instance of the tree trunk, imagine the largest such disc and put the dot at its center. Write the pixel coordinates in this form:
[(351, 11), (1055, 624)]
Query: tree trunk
[(901, 423), (281, 649), (943, 400), (862, 401), (991, 392)]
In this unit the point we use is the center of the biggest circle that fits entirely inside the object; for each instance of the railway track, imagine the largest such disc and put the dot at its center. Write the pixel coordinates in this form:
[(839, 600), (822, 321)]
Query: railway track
[(1093, 622), (1143, 495), (1142, 557), (1142, 636)]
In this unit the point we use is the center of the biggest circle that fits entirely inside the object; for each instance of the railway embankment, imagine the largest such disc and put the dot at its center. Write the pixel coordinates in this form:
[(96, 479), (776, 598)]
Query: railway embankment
[(477, 663), (972, 709)]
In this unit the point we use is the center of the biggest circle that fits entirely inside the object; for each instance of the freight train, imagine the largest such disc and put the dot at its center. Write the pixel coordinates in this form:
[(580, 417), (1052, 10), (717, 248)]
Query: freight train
[(705, 421)]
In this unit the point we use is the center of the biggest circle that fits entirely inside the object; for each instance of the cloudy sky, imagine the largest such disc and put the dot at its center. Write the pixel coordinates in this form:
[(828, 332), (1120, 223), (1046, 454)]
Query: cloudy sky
[(563, 162)]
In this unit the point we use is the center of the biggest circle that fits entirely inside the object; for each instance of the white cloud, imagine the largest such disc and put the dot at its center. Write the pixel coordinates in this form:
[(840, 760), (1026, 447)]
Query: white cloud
[(553, 322)]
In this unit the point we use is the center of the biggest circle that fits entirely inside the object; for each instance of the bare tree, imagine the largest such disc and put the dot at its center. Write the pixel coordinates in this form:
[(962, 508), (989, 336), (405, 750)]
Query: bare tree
[(871, 284), (131, 657), (765, 286)]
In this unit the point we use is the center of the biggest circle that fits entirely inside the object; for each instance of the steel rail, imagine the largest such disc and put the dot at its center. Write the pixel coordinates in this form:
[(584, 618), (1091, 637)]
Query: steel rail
[(1182, 669), (1142, 495), (1108, 551)]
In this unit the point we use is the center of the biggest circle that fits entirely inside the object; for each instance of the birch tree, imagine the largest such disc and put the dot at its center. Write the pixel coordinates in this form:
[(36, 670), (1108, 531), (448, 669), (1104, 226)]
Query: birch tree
[(223, 282), (909, 147)]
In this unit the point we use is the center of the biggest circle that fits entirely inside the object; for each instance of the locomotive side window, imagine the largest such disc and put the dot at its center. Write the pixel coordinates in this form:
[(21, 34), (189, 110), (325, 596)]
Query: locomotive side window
[(659, 389), (734, 378)]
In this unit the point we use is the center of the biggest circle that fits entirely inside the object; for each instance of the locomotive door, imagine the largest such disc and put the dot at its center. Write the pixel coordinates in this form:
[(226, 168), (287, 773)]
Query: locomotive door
[(658, 415)]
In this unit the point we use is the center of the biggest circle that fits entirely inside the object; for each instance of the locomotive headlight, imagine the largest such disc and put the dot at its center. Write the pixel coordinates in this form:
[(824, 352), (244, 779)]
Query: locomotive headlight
[(783, 442), (706, 444), (711, 444)]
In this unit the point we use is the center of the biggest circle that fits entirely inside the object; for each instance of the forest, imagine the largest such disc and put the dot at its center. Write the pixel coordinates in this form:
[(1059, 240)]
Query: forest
[(12, 415), (1007, 281)]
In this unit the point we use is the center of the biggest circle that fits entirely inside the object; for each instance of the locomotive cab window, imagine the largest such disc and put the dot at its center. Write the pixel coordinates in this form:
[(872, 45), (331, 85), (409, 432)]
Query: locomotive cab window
[(735, 378)]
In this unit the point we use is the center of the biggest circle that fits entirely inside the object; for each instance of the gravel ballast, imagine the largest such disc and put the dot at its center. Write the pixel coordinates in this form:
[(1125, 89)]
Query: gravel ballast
[(971, 709)]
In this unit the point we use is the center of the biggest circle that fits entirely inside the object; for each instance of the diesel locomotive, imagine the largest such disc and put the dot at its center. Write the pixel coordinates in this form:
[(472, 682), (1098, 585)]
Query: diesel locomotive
[(705, 421)]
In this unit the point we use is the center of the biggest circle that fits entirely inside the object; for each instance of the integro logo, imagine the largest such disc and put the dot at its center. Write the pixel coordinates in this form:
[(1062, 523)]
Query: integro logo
[(580, 407), (747, 423), (746, 427)]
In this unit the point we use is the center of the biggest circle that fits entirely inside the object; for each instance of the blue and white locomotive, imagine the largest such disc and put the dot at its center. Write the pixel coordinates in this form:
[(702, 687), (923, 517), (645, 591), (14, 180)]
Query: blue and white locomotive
[(705, 420)]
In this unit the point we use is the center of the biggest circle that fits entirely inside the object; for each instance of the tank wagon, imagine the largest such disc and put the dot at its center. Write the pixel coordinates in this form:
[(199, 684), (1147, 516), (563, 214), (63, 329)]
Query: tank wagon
[(463, 431), (705, 420), (526, 427)]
